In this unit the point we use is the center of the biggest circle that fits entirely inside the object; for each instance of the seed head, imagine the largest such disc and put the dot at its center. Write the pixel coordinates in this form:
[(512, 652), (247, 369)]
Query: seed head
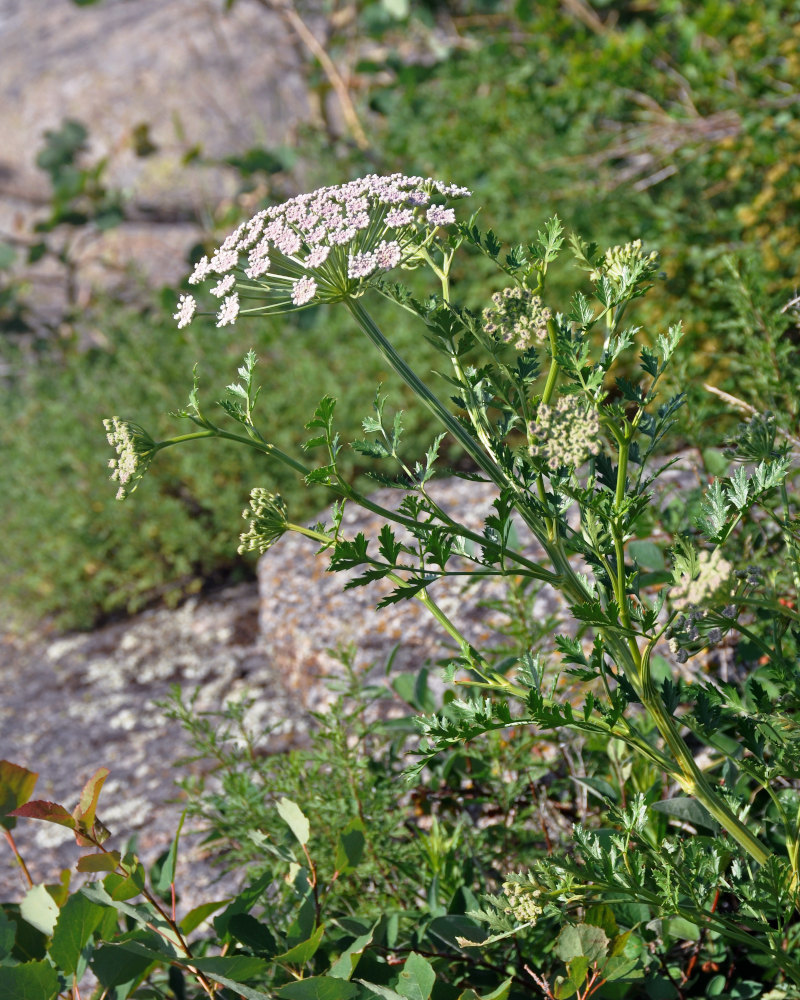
[(517, 317), (565, 434)]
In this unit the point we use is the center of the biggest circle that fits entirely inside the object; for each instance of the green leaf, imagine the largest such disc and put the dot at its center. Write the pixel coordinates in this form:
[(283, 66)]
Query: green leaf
[(620, 967), (501, 993), (76, 923), (350, 846), (239, 968), (293, 816), (119, 967), (7, 255), (599, 787), (319, 988), (647, 554), (381, 991), (166, 876), (31, 981), (143, 914), (677, 928), (564, 988), (301, 953), (687, 810), (253, 934), (456, 925), (577, 969), (416, 978), (195, 917), (99, 862), (601, 915), (345, 964), (8, 935), (39, 909), (581, 939), (246, 992), (16, 787)]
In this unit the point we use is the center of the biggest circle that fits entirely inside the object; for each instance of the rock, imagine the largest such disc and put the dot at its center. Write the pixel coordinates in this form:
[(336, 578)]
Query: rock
[(198, 76), (305, 612)]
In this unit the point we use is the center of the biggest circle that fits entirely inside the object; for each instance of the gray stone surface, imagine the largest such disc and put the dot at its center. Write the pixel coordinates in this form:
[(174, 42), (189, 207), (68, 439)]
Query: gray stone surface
[(197, 75)]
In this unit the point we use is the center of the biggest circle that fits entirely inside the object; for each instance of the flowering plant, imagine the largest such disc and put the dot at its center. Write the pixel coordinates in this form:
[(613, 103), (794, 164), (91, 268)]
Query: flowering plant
[(544, 406)]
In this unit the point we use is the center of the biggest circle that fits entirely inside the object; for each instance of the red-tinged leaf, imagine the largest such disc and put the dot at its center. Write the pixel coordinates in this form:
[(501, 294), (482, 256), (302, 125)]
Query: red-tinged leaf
[(99, 862), (50, 812), (16, 787), (87, 806)]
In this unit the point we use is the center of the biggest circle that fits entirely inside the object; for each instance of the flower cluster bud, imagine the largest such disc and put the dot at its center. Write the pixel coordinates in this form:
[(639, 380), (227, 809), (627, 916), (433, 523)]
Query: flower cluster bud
[(135, 450), (626, 265), (267, 521), (523, 902)]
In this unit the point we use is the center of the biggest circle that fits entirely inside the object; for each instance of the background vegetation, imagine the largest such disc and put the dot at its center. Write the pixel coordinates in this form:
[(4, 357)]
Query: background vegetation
[(675, 122)]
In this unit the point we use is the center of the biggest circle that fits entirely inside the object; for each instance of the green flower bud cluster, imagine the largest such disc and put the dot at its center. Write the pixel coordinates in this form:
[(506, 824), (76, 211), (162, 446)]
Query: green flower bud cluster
[(519, 317), (565, 434), (135, 450), (523, 902), (267, 521), (626, 264)]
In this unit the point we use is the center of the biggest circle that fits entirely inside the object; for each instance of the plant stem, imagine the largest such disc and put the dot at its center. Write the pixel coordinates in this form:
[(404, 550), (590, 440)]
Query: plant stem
[(20, 860)]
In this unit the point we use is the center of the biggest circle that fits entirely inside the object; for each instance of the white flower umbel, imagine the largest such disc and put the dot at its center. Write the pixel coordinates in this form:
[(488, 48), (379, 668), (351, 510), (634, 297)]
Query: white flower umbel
[(325, 246)]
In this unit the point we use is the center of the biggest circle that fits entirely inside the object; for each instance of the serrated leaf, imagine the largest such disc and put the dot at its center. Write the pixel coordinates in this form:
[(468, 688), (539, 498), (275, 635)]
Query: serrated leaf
[(738, 490), (29, 981), (581, 939)]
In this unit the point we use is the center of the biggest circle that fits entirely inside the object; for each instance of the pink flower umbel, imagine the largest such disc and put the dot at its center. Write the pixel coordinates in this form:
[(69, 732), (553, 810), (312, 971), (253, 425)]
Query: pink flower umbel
[(325, 246), (304, 291)]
